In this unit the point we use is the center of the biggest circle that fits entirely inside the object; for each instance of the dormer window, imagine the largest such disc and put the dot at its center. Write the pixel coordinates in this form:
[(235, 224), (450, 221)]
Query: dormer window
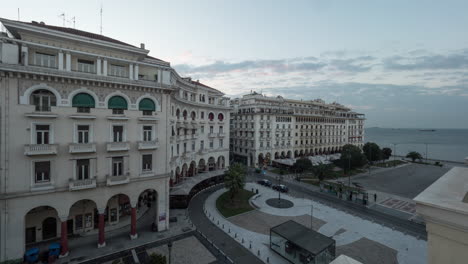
[(43, 100)]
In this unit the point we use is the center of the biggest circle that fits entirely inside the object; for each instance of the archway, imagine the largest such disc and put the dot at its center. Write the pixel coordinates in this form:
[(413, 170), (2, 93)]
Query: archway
[(147, 206), (283, 155), (43, 219), (177, 172), (211, 164), (260, 159), (84, 216), (276, 155), (184, 170), (289, 155), (192, 169), (201, 166), (268, 158), (220, 164), (301, 153), (296, 153)]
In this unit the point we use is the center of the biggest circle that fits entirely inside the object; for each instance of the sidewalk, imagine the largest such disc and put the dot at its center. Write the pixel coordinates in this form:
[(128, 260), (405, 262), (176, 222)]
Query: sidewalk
[(85, 248)]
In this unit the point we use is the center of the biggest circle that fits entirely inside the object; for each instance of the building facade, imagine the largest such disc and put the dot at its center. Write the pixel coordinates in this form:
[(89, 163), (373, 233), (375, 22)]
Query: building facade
[(94, 133), (267, 128)]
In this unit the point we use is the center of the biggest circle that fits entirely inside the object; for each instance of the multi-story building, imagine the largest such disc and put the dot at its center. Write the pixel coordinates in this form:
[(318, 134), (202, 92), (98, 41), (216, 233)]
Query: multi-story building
[(93, 133), (268, 128)]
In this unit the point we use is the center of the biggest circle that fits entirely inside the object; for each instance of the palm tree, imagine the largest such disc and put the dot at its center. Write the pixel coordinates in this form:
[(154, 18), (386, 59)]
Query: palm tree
[(413, 155), (235, 179), (321, 170)]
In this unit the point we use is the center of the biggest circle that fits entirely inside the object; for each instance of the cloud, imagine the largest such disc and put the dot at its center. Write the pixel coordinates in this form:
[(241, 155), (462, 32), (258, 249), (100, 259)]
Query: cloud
[(457, 60)]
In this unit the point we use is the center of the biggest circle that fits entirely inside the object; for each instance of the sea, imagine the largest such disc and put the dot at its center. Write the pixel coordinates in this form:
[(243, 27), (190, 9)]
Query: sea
[(440, 144)]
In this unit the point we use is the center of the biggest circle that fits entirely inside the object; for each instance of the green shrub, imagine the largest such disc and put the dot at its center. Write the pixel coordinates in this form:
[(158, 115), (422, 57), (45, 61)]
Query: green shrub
[(157, 259)]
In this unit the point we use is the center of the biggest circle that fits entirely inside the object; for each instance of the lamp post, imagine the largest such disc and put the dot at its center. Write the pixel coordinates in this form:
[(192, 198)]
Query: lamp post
[(169, 246), (349, 169), (426, 152), (394, 154)]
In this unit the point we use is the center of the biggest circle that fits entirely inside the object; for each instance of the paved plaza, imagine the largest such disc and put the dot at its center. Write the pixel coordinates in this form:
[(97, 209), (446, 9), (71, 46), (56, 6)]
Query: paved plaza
[(407, 181), (185, 251), (358, 238)]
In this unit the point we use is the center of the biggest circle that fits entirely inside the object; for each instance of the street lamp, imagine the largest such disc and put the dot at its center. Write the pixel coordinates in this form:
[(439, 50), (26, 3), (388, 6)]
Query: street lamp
[(169, 246), (394, 153), (349, 170)]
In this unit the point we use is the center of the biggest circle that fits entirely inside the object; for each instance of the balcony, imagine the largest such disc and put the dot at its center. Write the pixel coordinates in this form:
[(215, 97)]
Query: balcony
[(117, 180), (194, 136), (82, 148), (211, 135), (153, 144), (76, 185), (118, 146), (221, 134), (40, 149)]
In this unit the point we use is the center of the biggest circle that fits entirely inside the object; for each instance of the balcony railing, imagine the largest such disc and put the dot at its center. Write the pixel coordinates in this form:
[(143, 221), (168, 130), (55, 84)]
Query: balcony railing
[(118, 146), (82, 148), (116, 180), (75, 185), (153, 144), (211, 135), (221, 134), (40, 149)]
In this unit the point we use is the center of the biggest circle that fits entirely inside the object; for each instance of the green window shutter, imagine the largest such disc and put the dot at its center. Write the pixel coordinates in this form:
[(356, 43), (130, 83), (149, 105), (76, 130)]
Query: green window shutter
[(147, 105), (117, 102), (83, 100)]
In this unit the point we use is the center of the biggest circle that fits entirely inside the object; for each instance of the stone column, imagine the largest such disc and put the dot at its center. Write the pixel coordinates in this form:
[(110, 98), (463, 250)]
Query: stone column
[(133, 232), (63, 238), (130, 71), (136, 71), (98, 66), (101, 236), (60, 61), (104, 67), (68, 62)]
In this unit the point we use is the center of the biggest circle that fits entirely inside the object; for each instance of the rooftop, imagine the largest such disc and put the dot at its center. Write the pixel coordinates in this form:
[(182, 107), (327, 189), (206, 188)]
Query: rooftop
[(449, 192), (308, 239)]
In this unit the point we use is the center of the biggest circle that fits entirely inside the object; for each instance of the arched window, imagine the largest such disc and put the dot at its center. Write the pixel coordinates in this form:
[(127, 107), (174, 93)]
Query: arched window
[(193, 115), (118, 104), (211, 116), (43, 100), (147, 106), (220, 117), (178, 113), (84, 102), (185, 114)]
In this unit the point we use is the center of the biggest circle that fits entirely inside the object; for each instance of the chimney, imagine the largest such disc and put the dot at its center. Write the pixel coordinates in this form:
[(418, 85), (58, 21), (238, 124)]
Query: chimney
[(142, 45)]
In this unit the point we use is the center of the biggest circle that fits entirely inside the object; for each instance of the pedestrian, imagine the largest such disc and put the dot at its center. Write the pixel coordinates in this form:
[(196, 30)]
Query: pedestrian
[(375, 197)]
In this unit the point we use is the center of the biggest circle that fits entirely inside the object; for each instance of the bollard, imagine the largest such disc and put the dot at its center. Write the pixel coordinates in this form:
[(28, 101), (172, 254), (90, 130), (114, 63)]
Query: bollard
[(229, 231), (250, 245), (218, 222), (268, 259), (223, 226), (235, 236), (242, 240), (258, 252)]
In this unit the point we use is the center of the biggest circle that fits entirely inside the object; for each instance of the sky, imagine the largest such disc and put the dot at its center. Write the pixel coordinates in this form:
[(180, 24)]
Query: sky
[(404, 64)]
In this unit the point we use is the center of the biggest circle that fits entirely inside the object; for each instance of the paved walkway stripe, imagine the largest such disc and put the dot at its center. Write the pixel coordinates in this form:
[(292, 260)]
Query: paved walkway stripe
[(135, 257)]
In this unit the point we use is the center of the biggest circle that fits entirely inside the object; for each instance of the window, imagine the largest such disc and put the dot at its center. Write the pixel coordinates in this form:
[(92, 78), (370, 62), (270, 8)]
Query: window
[(43, 100), (86, 66), (177, 149), (82, 134), (118, 104), (211, 129), (117, 166), (220, 117), (147, 133), (220, 129), (82, 169), (221, 143), (117, 133), (193, 146), (202, 115), (202, 129), (42, 171), (42, 134), (202, 144), (211, 116), (118, 70), (45, 60), (211, 144), (185, 147), (147, 162)]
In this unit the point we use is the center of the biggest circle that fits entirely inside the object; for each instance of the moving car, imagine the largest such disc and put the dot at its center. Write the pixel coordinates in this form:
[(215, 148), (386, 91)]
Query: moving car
[(281, 188), (264, 182)]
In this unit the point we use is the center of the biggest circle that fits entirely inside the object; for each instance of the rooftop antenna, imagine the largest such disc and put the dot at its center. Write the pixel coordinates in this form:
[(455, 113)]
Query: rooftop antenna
[(72, 20), (63, 18), (101, 20)]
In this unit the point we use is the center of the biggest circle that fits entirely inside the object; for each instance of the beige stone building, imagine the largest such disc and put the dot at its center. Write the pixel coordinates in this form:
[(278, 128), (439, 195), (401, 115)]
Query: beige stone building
[(94, 132), (270, 128), (444, 207)]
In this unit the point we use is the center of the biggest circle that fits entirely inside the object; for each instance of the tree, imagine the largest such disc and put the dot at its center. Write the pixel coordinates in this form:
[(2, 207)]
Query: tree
[(413, 155), (235, 179), (351, 157), (321, 170), (157, 259), (372, 151), (302, 165), (386, 153)]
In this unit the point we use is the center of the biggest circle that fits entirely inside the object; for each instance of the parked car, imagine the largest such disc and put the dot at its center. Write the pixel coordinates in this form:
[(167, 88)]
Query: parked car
[(264, 182), (281, 188)]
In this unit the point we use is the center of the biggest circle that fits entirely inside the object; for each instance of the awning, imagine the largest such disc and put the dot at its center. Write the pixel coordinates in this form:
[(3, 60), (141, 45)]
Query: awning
[(83, 100), (147, 105), (117, 102)]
